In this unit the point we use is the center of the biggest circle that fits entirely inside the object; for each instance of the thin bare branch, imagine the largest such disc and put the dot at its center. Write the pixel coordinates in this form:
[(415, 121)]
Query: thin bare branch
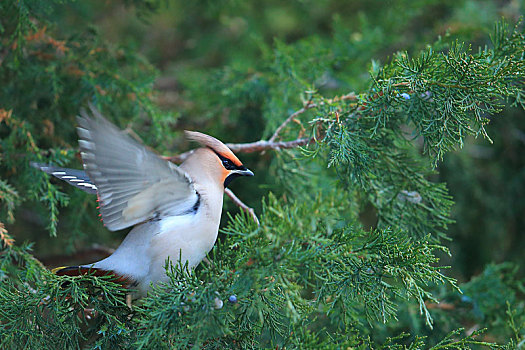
[(307, 106), (243, 206), (258, 146), (263, 145), (290, 118)]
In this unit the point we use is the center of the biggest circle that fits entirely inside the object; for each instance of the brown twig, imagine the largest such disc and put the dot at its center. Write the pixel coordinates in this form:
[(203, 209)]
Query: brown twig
[(290, 118), (263, 145), (257, 146), (243, 206), (309, 105)]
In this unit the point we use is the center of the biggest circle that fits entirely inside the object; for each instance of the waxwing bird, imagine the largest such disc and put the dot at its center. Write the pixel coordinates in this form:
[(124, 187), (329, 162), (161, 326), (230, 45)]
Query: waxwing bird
[(174, 210)]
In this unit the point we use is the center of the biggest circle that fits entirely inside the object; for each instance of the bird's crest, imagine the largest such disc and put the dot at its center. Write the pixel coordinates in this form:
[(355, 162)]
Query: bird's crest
[(216, 145)]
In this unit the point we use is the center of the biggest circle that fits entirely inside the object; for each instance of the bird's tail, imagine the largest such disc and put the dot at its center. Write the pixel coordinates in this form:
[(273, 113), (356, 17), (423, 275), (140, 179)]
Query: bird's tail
[(77, 178)]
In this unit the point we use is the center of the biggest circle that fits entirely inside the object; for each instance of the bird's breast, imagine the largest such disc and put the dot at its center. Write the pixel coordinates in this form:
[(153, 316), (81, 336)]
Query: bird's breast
[(187, 237)]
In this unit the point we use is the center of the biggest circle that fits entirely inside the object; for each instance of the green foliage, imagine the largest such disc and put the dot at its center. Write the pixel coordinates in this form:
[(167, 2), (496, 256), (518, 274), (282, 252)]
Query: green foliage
[(40, 310), (453, 94), (350, 248)]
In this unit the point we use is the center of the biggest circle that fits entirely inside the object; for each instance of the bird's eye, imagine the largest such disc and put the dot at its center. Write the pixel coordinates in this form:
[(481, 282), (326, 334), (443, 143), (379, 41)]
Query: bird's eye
[(228, 164)]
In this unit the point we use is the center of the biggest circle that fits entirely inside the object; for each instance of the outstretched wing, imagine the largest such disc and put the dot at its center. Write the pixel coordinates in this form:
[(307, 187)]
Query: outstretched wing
[(77, 178), (133, 184)]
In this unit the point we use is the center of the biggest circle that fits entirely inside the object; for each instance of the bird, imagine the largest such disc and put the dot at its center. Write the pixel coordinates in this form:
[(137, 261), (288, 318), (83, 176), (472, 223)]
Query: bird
[(174, 211)]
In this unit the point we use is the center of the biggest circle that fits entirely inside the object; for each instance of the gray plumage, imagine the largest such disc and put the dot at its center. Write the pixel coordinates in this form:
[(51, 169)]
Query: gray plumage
[(134, 184)]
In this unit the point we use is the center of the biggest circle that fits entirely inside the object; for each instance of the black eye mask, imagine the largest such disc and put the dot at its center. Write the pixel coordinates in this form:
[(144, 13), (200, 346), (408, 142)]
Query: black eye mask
[(228, 164)]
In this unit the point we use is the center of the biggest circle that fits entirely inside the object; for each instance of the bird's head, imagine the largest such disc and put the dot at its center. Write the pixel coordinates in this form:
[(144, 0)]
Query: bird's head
[(216, 159)]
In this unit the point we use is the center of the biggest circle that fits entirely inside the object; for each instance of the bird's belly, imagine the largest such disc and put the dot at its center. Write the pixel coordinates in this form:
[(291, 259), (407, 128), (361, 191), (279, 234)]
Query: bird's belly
[(188, 240), (184, 239)]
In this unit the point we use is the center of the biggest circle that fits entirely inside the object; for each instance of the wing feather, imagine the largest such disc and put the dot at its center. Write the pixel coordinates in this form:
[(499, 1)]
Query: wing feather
[(134, 184)]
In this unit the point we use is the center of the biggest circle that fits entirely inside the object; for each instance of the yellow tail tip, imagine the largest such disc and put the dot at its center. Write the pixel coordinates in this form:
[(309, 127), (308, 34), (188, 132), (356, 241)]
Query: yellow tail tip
[(57, 269)]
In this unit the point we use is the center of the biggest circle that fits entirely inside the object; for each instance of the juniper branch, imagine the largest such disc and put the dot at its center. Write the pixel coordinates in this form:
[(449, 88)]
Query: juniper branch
[(241, 204)]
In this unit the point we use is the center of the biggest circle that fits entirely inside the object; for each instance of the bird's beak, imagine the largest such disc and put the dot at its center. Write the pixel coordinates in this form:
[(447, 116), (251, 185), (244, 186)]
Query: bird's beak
[(242, 172), (236, 173)]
